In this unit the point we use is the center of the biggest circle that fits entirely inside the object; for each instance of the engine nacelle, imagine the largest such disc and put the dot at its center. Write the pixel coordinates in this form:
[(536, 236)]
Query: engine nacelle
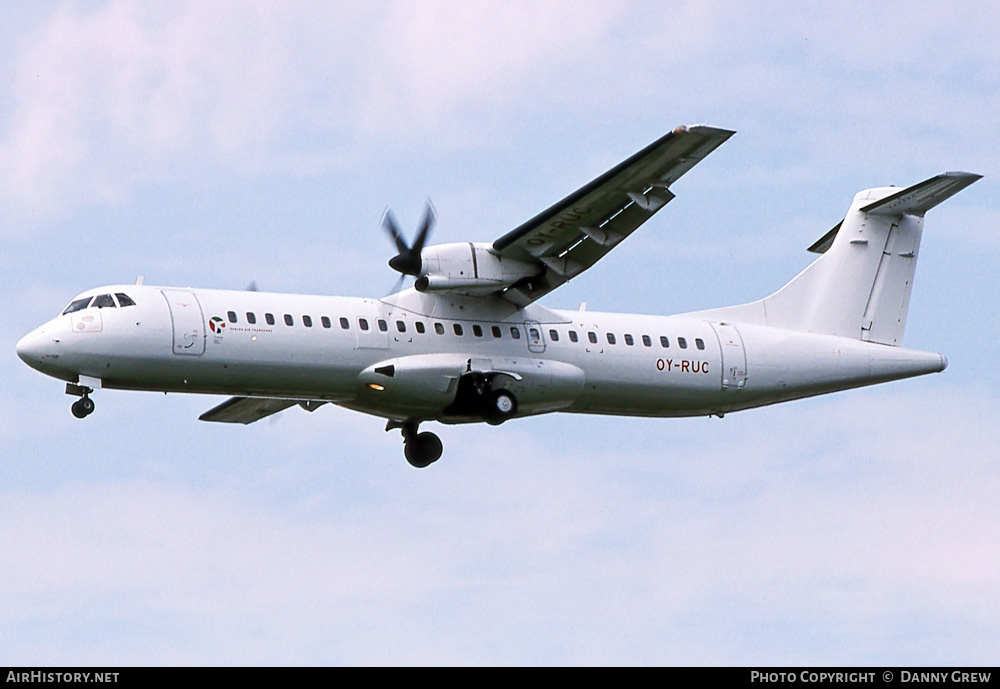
[(468, 268)]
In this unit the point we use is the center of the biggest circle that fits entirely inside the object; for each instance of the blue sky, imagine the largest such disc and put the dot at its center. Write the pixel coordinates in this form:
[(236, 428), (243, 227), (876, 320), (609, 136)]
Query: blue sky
[(212, 143)]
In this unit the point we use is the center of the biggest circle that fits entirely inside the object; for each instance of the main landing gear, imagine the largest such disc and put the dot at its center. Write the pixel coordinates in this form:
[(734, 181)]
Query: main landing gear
[(84, 406), (477, 397), (421, 449)]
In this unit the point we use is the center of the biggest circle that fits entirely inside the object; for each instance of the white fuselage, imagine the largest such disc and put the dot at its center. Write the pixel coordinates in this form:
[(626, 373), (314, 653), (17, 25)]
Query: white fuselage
[(298, 348)]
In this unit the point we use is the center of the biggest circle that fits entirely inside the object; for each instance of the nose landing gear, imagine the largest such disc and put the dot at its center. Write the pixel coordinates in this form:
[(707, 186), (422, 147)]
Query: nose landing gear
[(420, 449), (84, 406)]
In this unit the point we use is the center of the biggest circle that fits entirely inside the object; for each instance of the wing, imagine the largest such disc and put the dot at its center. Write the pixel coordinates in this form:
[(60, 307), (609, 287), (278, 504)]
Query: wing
[(575, 233), (249, 409)]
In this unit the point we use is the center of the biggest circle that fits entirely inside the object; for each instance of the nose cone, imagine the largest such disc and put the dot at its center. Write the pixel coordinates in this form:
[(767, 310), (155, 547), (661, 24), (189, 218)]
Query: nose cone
[(35, 349)]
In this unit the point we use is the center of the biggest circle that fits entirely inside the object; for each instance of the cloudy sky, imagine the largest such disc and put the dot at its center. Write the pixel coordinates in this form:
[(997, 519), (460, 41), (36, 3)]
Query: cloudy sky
[(213, 143)]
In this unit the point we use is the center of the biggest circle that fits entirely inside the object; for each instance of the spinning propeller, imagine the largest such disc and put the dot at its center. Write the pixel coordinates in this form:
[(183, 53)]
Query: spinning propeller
[(407, 261)]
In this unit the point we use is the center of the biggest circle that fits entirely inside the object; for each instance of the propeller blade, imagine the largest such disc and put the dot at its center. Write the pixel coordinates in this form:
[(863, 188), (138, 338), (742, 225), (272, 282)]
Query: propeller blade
[(392, 227), (398, 286), (425, 229)]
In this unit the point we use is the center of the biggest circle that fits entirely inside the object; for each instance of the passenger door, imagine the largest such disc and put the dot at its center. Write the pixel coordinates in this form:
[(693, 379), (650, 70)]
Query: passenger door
[(188, 322)]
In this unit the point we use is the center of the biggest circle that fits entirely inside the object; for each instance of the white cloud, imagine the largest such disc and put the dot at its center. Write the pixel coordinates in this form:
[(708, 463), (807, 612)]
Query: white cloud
[(109, 98), (836, 520), (115, 96)]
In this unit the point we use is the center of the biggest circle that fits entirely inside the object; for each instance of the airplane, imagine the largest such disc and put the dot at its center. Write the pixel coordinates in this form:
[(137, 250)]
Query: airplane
[(468, 342)]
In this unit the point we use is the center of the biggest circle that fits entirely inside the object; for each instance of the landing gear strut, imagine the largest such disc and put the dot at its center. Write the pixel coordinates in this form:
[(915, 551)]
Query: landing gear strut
[(420, 449), (84, 406)]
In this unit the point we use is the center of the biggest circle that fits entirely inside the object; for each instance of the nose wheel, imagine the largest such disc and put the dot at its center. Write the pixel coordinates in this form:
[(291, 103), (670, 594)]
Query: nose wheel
[(83, 407), (420, 449)]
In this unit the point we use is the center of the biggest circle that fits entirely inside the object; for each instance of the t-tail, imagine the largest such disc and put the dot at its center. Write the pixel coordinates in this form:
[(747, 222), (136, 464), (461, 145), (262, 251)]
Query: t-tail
[(860, 285)]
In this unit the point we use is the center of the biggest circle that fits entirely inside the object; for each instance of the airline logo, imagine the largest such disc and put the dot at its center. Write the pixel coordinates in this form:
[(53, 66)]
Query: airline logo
[(216, 325)]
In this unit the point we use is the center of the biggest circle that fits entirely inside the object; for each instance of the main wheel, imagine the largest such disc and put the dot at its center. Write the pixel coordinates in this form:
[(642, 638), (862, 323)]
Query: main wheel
[(423, 450), (502, 406), (82, 407)]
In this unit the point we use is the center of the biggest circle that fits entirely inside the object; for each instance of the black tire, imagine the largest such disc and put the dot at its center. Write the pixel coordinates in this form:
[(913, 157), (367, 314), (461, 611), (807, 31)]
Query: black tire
[(80, 410), (502, 406), (423, 450)]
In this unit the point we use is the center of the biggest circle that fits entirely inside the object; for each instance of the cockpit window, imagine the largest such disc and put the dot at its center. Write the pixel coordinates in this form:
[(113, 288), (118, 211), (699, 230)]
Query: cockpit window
[(104, 301), (78, 305), (124, 300)]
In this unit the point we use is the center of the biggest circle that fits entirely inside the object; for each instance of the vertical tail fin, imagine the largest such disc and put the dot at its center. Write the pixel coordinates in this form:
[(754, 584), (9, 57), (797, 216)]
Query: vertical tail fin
[(860, 286)]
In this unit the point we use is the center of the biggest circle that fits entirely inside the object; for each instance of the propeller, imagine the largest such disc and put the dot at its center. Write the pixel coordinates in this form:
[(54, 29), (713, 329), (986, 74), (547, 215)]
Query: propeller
[(407, 261)]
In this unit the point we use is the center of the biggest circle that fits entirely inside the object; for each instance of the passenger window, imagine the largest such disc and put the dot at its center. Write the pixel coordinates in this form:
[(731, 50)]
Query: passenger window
[(611, 338), (104, 301), (124, 300), (664, 342), (458, 329), (232, 316), (420, 327), (251, 317), (289, 320), (646, 341), (77, 305), (325, 320), (307, 321), (477, 330), (553, 335), (592, 336), (363, 323), (344, 323), (573, 337), (439, 328), (682, 343), (699, 343), (401, 326), (269, 317), (496, 331), (515, 333), (628, 340), (382, 325)]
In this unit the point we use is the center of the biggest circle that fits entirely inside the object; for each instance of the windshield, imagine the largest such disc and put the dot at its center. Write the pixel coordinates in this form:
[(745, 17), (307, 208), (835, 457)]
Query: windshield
[(77, 305)]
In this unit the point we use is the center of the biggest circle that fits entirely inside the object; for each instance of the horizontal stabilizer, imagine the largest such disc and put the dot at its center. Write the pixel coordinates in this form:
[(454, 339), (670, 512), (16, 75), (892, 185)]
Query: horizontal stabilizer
[(920, 198)]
